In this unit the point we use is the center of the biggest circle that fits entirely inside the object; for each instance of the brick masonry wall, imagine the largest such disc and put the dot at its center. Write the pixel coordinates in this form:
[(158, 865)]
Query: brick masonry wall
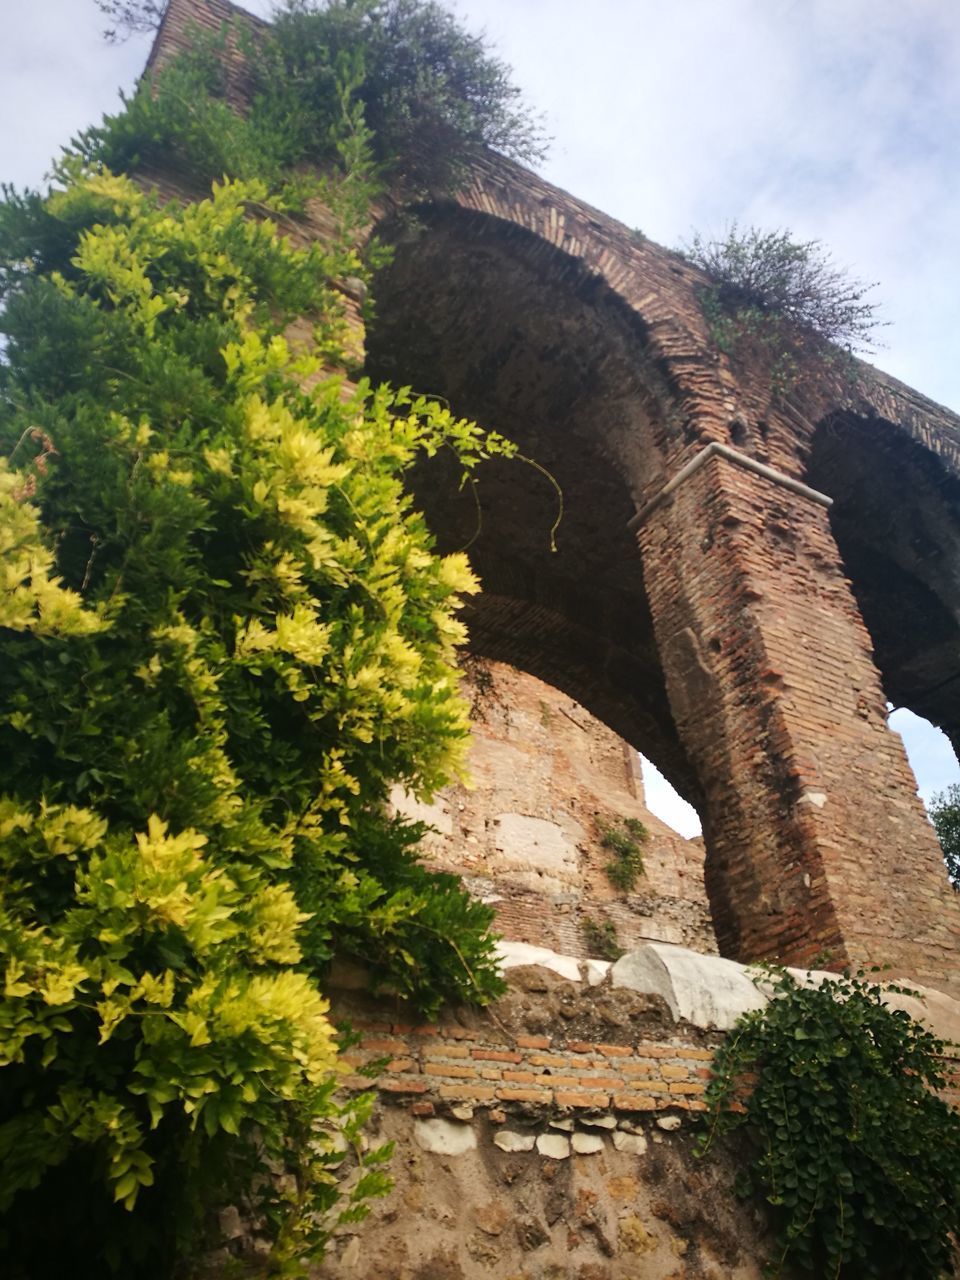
[(436, 1065), (527, 833), (548, 1138), (431, 1068)]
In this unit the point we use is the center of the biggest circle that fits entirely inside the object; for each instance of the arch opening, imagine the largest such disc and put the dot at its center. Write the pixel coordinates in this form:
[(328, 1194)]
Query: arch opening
[(520, 337)]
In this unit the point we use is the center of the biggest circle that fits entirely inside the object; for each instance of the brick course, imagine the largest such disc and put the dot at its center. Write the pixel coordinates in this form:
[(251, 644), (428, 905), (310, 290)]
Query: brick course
[(640, 1077)]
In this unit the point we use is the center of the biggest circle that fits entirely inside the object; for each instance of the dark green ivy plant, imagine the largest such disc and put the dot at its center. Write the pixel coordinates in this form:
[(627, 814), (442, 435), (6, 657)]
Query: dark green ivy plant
[(852, 1148)]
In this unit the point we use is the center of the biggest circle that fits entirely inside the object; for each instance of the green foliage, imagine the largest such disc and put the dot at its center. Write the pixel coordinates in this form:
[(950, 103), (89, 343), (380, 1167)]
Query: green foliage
[(855, 1152), (625, 841), (768, 273), (224, 635), (945, 815), (782, 298), (422, 92), (600, 938)]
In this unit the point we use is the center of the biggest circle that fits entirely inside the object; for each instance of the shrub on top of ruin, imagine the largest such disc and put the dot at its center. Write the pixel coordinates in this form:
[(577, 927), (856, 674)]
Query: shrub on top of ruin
[(794, 280), (427, 93), (783, 294)]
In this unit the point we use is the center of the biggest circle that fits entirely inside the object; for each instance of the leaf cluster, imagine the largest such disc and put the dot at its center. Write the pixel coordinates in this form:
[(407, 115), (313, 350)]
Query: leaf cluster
[(130, 17), (224, 636), (855, 1152), (625, 841), (786, 298), (600, 938), (945, 816), (796, 282)]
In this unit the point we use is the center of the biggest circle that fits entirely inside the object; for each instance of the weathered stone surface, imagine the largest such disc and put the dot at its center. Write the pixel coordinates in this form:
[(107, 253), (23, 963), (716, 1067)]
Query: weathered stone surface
[(940, 1012), (631, 1144), (492, 1217), (512, 954), (536, 843), (555, 1146), (586, 1144), (443, 1137), (230, 1223), (669, 1124), (510, 1140), (633, 1236), (531, 1234), (596, 971), (704, 990)]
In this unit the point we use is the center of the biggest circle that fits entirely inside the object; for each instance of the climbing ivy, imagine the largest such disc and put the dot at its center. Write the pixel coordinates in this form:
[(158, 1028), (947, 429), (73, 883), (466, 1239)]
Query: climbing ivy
[(855, 1153)]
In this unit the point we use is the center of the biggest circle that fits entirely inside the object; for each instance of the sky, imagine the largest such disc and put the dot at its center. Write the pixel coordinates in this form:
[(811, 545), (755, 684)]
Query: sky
[(836, 119)]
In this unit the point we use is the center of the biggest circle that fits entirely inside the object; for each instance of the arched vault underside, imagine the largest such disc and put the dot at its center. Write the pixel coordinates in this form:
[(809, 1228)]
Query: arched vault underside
[(518, 336), (896, 519)]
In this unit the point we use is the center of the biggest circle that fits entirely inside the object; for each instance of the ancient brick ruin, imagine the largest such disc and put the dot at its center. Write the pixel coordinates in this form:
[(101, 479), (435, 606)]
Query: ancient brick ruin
[(742, 581), (742, 625)]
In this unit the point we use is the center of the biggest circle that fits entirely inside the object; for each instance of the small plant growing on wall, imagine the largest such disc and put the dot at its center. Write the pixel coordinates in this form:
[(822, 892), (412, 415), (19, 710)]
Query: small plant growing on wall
[(600, 939), (624, 841), (772, 292), (855, 1152)]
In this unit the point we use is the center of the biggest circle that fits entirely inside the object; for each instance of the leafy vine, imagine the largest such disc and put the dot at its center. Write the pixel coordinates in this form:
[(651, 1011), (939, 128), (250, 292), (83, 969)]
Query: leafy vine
[(855, 1152)]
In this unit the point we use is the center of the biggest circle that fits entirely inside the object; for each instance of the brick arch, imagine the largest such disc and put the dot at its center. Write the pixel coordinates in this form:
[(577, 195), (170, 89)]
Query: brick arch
[(530, 340), (696, 603)]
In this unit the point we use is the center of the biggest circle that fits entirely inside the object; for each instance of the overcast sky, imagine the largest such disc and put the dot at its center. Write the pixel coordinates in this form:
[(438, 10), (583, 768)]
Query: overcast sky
[(837, 119)]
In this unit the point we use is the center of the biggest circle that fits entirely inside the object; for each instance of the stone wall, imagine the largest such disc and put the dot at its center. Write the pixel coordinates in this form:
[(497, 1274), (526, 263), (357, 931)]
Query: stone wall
[(547, 779), (551, 1137)]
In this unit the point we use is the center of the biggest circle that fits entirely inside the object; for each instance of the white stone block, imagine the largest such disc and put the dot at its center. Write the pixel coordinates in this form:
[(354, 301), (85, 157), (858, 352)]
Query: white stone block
[(554, 1146), (444, 1138), (706, 991), (510, 1140), (536, 844), (511, 954), (595, 971), (631, 1144), (436, 815)]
